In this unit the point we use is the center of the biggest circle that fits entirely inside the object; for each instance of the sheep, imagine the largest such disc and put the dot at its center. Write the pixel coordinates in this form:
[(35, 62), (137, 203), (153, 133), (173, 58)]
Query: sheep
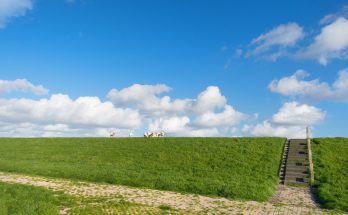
[(149, 134)]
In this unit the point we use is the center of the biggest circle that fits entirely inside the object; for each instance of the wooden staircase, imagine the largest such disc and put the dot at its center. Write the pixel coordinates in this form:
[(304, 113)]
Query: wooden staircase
[(295, 164)]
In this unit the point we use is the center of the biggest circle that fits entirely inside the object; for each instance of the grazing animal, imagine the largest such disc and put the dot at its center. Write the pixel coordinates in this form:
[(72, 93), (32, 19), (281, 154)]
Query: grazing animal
[(113, 134), (149, 134)]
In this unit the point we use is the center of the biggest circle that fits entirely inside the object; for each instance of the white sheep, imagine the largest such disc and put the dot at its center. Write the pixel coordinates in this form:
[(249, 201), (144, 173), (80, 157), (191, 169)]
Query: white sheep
[(112, 134), (153, 134)]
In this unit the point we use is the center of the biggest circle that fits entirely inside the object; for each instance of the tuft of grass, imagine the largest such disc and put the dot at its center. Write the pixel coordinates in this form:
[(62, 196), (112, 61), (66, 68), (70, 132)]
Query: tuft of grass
[(238, 168), (165, 207), (28, 200), (330, 157)]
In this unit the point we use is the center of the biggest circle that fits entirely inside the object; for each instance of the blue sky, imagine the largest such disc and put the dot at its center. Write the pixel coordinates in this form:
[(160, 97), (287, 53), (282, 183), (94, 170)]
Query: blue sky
[(217, 57)]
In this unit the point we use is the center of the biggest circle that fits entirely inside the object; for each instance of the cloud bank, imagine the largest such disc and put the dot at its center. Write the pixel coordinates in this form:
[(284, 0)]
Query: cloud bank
[(207, 115), (132, 108), (147, 107)]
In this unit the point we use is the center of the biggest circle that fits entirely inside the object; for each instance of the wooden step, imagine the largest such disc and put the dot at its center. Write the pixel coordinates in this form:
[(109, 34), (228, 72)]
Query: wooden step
[(298, 150), (292, 163), (297, 174), (297, 156), (296, 180), (295, 168)]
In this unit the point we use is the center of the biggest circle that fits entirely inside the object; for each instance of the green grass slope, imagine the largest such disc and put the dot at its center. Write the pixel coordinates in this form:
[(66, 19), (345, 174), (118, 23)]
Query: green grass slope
[(241, 168), (330, 157), (21, 199)]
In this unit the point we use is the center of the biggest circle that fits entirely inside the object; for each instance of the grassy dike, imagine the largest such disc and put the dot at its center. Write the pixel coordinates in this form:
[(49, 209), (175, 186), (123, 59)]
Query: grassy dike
[(238, 168)]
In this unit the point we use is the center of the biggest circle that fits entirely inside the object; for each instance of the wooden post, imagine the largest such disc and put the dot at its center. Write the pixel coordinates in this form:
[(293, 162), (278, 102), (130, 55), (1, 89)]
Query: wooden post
[(310, 155)]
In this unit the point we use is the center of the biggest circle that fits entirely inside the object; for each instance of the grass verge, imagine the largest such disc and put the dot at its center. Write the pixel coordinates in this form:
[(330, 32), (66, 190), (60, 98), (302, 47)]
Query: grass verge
[(21, 199), (30, 200)]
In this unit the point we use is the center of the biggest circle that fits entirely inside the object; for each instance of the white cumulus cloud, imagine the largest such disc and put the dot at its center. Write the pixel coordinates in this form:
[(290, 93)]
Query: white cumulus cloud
[(180, 126), (296, 86), (13, 8), (228, 117), (137, 93), (147, 99), (266, 129), (22, 85), (209, 100), (332, 42), (59, 108), (292, 113), (209, 114), (290, 121), (61, 113)]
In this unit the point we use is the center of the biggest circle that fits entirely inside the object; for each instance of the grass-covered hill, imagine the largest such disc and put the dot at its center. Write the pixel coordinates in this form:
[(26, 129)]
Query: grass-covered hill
[(239, 168), (330, 157)]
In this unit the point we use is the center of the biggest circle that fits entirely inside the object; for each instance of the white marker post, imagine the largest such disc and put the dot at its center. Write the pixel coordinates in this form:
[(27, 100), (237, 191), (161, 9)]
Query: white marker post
[(310, 155)]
